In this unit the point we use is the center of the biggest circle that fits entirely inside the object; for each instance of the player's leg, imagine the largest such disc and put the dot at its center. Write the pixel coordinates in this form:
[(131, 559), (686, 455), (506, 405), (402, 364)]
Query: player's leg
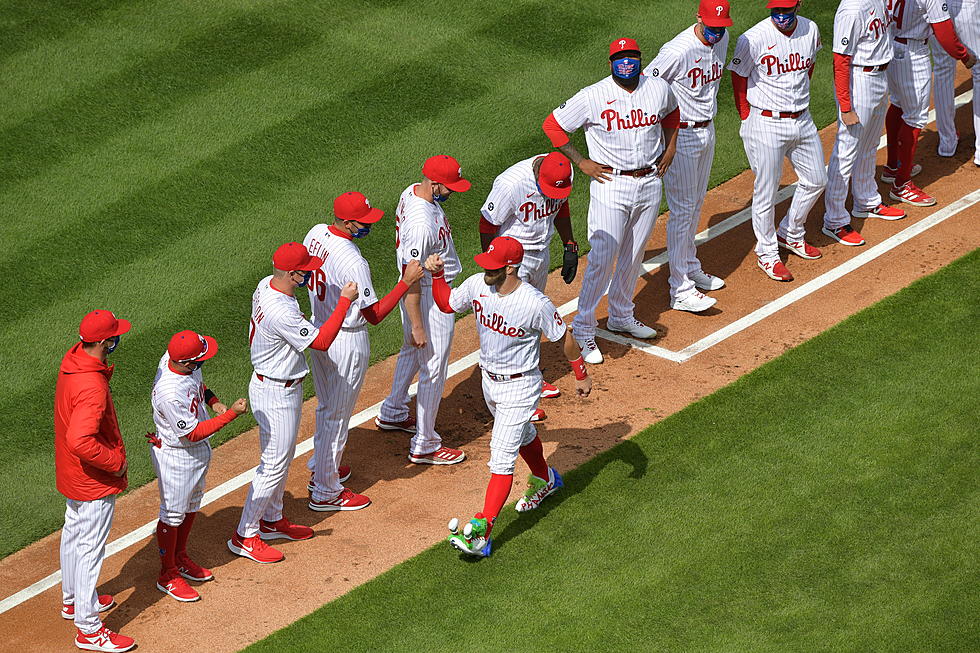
[(843, 159), (681, 186), (534, 267), (69, 541), (703, 175), (171, 479), (512, 430), (394, 409), (873, 107), (966, 16), (807, 159), (944, 74), (976, 111), (282, 447), (199, 461), (639, 224), (764, 140), (268, 405), (915, 111), (433, 371), (900, 89), (95, 520)]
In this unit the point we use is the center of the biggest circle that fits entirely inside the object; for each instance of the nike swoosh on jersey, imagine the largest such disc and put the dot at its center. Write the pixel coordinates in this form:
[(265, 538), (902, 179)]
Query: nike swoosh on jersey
[(610, 101), (772, 46), (530, 194), (698, 60)]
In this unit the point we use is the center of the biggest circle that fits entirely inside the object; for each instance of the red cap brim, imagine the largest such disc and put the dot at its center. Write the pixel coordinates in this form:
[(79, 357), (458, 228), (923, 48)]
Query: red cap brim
[(460, 186), (488, 262), (373, 215), (774, 4), (122, 326), (554, 192), (212, 348), (314, 263), (714, 21)]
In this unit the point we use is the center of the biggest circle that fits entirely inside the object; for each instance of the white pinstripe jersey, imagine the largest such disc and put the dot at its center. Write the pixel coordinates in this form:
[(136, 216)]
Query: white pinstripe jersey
[(622, 128), (178, 404), (422, 229), (278, 334), (342, 262), (694, 71), (912, 18), (777, 65), (510, 326), (520, 210), (862, 32)]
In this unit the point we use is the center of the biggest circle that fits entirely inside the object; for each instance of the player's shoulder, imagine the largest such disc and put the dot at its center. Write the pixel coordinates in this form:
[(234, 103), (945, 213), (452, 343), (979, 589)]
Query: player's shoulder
[(653, 84), (516, 172), (806, 25), (316, 232), (681, 43)]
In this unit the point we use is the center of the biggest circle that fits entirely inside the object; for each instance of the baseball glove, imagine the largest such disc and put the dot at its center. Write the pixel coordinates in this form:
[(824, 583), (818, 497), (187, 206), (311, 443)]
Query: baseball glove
[(569, 265)]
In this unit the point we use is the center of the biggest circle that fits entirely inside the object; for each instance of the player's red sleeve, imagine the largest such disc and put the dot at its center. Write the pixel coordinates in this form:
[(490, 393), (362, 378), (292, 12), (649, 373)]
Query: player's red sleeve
[(330, 328), (209, 397), (83, 429), (379, 310), (946, 35), (211, 426), (672, 120), (554, 132), (564, 213), (487, 227), (741, 87), (842, 80), (440, 293)]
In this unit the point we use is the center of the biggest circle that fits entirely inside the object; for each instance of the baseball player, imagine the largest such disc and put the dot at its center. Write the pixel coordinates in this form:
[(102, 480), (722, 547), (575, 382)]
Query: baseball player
[(338, 373), (630, 123), (771, 72), (529, 202), (421, 229), (90, 467), (910, 81), (511, 316), (862, 52), (692, 63), (278, 335), (966, 19), (181, 453)]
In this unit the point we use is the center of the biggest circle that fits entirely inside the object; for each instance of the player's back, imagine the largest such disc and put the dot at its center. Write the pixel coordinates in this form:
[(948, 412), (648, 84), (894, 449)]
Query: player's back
[(342, 263)]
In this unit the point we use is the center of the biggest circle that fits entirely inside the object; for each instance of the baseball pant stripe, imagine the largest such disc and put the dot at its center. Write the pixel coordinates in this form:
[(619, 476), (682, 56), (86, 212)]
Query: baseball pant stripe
[(512, 403), (181, 472), (83, 541), (685, 185), (910, 81)]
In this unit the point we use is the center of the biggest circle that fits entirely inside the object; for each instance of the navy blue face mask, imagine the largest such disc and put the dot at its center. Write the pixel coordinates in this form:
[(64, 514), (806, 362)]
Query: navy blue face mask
[(713, 34), (113, 343), (626, 68), (361, 232), (439, 198), (783, 20), (306, 279)]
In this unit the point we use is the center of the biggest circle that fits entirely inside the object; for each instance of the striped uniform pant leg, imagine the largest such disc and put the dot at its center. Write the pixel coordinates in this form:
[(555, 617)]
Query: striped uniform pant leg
[(69, 541), (181, 473), (943, 79), (433, 371), (395, 406), (645, 206), (534, 267), (513, 404), (873, 98), (766, 142), (807, 158), (685, 186), (910, 81), (93, 520), (966, 17)]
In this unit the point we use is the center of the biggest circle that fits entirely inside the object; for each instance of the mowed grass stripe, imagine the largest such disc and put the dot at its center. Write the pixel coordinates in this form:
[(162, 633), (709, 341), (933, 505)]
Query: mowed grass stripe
[(826, 502)]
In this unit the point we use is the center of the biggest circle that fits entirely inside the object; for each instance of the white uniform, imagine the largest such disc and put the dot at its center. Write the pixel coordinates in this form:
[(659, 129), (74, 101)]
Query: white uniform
[(966, 18), (778, 69), (910, 72), (278, 335), (694, 71), (510, 329), (338, 373), (181, 465), (421, 229), (622, 130), (525, 214), (862, 32)]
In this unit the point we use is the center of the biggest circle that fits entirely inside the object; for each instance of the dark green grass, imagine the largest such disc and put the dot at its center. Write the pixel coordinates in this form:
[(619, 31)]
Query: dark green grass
[(826, 502), (152, 155)]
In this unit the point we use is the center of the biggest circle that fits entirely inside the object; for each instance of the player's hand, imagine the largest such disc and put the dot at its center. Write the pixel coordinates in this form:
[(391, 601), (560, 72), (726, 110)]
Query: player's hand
[(850, 118), (418, 336), (970, 61), (664, 163), (583, 387), (240, 406), (569, 263), (153, 440), (413, 272), (434, 263), (122, 470), (219, 408), (597, 171), (349, 290)]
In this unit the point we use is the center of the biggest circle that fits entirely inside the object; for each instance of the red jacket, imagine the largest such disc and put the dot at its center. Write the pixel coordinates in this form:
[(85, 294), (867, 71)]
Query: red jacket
[(88, 447)]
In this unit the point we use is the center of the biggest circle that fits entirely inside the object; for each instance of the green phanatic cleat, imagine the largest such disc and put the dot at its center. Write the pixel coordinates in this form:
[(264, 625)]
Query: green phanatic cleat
[(472, 540)]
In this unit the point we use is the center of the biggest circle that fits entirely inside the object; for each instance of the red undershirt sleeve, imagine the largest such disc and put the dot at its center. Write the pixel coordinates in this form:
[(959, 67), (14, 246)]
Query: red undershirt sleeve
[(672, 120), (440, 293), (487, 227), (211, 426), (331, 327), (554, 132), (946, 35), (741, 87), (842, 80), (564, 213), (379, 310)]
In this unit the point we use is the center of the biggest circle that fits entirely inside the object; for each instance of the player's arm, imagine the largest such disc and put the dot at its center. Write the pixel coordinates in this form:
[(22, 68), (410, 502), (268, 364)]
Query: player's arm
[(209, 427), (380, 309), (669, 125), (945, 33), (413, 307), (563, 225), (583, 382), (498, 208), (329, 329), (447, 299), (83, 428), (212, 400), (568, 118), (741, 67)]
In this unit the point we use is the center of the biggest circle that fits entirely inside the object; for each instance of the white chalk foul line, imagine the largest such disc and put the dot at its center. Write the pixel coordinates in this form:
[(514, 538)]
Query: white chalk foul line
[(455, 368)]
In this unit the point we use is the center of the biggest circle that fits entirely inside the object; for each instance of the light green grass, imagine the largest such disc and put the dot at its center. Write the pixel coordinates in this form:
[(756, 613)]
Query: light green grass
[(152, 156), (826, 502)]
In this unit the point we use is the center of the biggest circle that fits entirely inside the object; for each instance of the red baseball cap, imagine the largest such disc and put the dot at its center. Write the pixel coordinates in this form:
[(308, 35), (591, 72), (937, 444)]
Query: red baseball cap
[(555, 176), (444, 169), (101, 325), (503, 251), (295, 256), (782, 4), (714, 13), (354, 206), (189, 346), (623, 45)]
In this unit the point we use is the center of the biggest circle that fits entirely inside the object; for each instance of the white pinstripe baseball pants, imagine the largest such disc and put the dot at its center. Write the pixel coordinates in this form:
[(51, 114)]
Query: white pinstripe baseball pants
[(83, 541), (512, 403), (277, 410), (852, 163), (338, 374), (686, 184), (943, 92), (767, 142), (622, 212), (910, 81), (431, 363), (534, 267), (181, 473)]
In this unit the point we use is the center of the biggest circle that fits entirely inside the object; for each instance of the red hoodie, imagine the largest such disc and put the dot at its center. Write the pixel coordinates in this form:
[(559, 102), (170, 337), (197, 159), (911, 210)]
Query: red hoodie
[(88, 447)]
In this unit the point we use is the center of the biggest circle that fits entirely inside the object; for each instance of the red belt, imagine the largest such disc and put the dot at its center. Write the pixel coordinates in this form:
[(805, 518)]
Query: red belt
[(642, 172), (693, 125), (503, 377), (904, 41), (874, 69), (285, 384), (781, 114)]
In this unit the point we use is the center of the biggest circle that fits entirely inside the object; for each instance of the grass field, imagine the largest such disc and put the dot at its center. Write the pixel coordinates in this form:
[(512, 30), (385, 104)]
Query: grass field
[(152, 155), (826, 502)]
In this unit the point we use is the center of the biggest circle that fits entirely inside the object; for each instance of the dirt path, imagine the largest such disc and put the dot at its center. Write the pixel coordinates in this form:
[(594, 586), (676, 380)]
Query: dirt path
[(632, 390)]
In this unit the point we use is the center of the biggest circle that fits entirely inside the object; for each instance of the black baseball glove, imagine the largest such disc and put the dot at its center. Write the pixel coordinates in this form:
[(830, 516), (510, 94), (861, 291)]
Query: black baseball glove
[(569, 265)]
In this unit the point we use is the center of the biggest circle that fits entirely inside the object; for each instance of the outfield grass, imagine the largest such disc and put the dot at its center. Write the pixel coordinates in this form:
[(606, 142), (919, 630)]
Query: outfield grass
[(153, 155), (826, 502)]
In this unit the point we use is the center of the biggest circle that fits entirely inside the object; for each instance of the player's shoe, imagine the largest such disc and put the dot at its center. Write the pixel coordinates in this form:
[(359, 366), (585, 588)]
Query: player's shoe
[(284, 530), (407, 425), (845, 235), (912, 194), (590, 351), (943, 148), (888, 174), (105, 602), (346, 500), (191, 570), (472, 539), (538, 415), (706, 282), (633, 327), (776, 270), (103, 640), (254, 548), (441, 456), (178, 588), (881, 211), (343, 471), (693, 302), (549, 391), (801, 248), (538, 489)]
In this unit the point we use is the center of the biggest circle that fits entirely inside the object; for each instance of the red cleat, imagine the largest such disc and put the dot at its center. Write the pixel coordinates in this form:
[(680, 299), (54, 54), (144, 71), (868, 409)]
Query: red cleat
[(178, 588), (346, 500), (911, 194), (801, 248), (284, 530), (845, 235), (538, 415), (104, 640), (343, 471), (549, 391), (254, 548), (881, 211), (776, 271), (441, 456), (407, 425), (191, 570)]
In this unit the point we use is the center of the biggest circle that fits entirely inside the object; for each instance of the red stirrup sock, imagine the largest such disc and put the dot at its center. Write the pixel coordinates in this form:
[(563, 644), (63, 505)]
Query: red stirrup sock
[(183, 531), (498, 489), (893, 125), (907, 143), (167, 542), (533, 455)]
